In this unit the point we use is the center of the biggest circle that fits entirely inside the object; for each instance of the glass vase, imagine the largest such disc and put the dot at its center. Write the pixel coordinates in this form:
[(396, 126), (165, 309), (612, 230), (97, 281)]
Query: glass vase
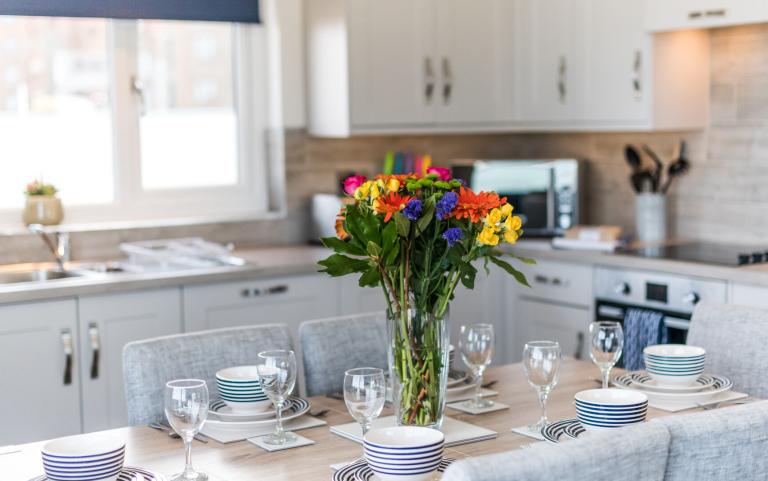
[(418, 366)]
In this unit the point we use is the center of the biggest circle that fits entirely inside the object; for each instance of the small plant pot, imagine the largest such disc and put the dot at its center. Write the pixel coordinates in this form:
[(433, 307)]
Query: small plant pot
[(43, 209)]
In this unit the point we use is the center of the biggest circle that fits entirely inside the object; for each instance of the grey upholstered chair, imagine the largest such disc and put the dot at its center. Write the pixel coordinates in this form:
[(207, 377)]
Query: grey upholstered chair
[(734, 337), (726, 443), (149, 364), (635, 453), (331, 346)]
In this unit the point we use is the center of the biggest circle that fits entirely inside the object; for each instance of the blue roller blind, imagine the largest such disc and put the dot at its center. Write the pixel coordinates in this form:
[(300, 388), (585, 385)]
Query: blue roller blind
[(211, 10)]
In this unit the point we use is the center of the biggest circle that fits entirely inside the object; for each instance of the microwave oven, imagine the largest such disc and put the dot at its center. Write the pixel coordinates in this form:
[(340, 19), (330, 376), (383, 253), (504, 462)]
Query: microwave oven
[(547, 193)]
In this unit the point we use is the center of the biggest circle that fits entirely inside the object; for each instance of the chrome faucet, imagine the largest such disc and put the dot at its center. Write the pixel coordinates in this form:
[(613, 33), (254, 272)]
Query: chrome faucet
[(60, 247)]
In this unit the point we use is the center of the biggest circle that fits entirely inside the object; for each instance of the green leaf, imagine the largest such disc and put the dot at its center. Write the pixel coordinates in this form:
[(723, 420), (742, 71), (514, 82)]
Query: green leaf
[(342, 247), (340, 265), (390, 258), (374, 250), (426, 214), (403, 224), (389, 236), (370, 278), (519, 276)]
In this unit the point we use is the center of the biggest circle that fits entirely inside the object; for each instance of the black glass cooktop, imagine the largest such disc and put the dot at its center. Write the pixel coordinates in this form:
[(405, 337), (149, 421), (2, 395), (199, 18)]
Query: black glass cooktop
[(704, 252)]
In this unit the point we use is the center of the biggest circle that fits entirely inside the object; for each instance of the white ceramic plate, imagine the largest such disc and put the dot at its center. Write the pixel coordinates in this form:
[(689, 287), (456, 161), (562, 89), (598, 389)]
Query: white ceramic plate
[(129, 473), (219, 410), (642, 380), (722, 384), (564, 430), (298, 407)]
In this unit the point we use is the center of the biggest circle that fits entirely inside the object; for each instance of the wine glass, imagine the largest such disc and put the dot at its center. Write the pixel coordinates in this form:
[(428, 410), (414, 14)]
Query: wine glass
[(186, 407), (277, 374), (541, 362), (365, 390), (606, 343), (476, 345)]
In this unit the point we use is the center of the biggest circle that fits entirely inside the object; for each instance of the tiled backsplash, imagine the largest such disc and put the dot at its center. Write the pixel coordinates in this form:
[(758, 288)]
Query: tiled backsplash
[(724, 197)]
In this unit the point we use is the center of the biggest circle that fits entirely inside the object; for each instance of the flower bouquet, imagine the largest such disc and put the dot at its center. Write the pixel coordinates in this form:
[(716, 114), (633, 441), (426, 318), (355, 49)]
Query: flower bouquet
[(417, 237)]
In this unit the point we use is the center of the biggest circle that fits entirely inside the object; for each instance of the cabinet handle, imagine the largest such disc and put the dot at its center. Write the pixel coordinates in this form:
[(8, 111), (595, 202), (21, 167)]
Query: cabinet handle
[(66, 342), (93, 333), (637, 69), (541, 279), (281, 289), (715, 13), (447, 81), (561, 72), (429, 80), (694, 15), (579, 345)]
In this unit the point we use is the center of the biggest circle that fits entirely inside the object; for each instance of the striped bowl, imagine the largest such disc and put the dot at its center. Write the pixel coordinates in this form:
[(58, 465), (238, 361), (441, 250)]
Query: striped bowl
[(404, 453), (599, 409), (674, 364), (240, 389), (93, 457)]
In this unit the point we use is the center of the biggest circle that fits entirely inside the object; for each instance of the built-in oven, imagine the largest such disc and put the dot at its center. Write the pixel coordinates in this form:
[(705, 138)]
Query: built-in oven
[(674, 296), (547, 194)]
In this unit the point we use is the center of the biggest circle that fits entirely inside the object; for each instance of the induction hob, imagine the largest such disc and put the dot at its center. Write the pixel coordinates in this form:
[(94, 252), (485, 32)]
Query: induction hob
[(704, 253)]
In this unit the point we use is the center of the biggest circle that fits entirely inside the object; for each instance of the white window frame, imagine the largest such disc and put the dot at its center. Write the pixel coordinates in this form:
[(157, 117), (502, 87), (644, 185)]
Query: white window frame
[(259, 192)]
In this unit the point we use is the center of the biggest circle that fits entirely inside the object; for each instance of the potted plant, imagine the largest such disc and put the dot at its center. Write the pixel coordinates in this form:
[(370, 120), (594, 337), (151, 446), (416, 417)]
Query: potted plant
[(42, 206), (416, 238)]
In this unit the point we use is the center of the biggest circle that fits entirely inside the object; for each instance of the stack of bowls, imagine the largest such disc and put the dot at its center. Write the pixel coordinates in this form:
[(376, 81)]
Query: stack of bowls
[(404, 453), (94, 457), (674, 364), (599, 409), (240, 389)]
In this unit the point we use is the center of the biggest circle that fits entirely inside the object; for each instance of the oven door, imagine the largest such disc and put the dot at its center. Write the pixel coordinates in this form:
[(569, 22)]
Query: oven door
[(676, 323)]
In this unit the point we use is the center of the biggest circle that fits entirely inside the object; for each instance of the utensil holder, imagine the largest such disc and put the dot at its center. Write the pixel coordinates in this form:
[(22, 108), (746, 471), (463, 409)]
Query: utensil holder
[(651, 217)]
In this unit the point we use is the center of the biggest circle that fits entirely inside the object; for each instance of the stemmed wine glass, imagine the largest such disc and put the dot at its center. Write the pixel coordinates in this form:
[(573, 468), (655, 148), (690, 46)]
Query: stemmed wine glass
[(365, 390), (476, 345), (541, 362), (186, 407), (606, 343), (277, 374)]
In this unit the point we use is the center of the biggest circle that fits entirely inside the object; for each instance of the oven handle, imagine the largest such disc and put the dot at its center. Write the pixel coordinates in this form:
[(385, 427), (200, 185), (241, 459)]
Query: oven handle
[(612, 312), (677, 323)]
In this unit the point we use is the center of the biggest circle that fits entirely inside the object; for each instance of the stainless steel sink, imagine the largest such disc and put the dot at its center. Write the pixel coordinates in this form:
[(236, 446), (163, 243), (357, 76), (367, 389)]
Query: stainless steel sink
[(33, 273)]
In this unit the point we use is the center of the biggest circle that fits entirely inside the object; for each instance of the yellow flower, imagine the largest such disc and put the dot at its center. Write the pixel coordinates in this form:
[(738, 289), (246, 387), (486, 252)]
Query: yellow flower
[(511, 236), (393, 185), (513, 223), (488, 237), (493, 218), (375, 191), (506, 210), (363, 191)]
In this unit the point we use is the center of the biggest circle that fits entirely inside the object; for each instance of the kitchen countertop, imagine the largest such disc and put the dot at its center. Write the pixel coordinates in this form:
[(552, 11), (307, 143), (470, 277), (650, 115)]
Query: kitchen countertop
[(265, 262)]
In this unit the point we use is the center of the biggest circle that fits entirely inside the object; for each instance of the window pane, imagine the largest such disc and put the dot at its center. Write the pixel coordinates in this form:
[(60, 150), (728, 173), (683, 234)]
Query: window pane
[(54, 108), (189, 124)]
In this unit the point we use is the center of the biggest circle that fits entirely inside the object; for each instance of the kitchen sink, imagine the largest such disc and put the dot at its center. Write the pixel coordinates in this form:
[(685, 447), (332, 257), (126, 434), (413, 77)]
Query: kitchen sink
[(33, 273)]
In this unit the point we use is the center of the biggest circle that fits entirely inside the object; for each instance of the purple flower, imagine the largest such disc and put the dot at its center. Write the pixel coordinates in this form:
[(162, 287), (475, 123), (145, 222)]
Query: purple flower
[(446, 204), (453, 235), (412, 209)]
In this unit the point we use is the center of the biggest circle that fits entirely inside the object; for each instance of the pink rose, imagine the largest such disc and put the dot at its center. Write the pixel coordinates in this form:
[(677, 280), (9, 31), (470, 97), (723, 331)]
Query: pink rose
[(352, 182), (444, 173)]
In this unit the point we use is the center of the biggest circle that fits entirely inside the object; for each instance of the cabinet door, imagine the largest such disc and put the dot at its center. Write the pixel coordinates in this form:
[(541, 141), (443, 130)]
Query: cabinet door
[(567, 325), (354, 299), (392, 68), (553, 54), (107, 323), (685, 14), (749, 295), (39, 400), (468, 46), (619, 72)]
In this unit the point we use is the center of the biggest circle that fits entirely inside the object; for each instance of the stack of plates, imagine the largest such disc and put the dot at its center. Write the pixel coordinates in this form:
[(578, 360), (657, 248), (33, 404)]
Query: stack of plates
[(599, 409), (221, 416), (674, 364), (84, 458), (404, 452)]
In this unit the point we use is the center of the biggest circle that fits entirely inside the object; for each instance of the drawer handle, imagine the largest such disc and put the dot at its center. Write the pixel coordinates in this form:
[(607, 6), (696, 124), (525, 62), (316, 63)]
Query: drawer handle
[(695, 15), (715, 13), (256, 292), (541, 279), (281, 289), (66, 341), (93, 333)]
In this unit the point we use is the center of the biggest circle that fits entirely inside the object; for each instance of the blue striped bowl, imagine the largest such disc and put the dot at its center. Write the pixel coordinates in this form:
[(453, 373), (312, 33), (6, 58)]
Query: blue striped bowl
[(599, 409), (240, 389), (94, 457), (404, 453), (674, 364)]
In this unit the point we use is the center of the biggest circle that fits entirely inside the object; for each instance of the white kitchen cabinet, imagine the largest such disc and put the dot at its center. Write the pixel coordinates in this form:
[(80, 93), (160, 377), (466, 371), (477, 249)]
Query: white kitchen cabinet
[(40, 375), (749, 295), (353, 299), (545, 321), (106, 324), (665, 15)]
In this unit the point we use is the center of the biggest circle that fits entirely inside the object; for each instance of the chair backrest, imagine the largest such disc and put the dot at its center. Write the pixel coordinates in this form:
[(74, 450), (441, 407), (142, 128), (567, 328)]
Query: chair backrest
[(726, 443), (148, 365), (331, 346), (633, 453), (735, 340)]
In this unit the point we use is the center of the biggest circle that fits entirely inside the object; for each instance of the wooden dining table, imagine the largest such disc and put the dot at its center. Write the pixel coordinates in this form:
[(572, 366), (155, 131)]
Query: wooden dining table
[(243, 461)]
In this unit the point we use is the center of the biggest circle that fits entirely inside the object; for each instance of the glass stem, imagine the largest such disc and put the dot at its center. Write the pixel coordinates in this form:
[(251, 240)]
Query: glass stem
[(478, 387), (279, 432), (606, 376), (188, 469), (543, 395)]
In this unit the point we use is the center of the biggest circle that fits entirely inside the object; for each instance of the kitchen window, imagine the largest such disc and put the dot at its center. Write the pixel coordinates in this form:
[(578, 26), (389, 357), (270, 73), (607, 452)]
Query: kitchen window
[(137, 120)]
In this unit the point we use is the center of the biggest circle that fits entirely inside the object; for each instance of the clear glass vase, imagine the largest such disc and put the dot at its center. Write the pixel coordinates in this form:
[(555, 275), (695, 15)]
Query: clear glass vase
[(418, 366)]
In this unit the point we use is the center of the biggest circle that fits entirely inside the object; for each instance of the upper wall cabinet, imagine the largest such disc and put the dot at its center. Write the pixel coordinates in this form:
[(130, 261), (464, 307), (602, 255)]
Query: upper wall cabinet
[(666, 15), (410, 66)]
